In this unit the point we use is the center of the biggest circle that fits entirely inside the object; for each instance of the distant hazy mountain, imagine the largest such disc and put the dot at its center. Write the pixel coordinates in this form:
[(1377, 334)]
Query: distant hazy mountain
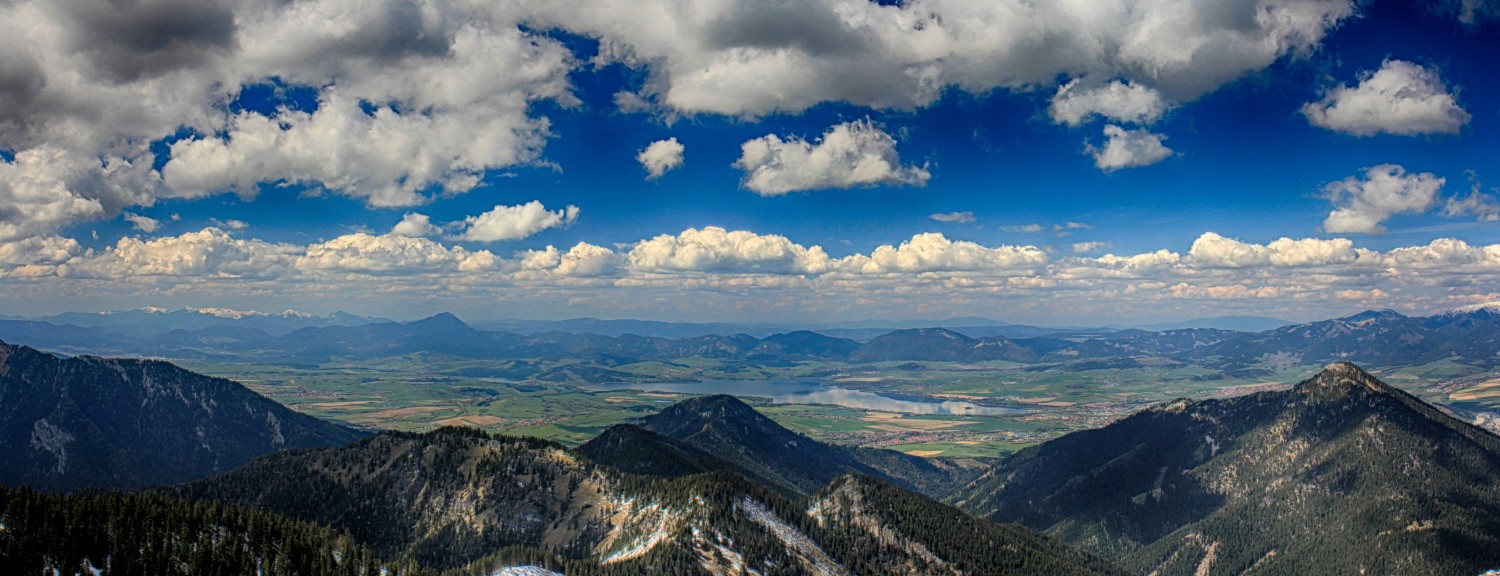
[(62, 337), (802, 345), (441, 333), (1341, 475), (1130, 343), (1235, 323), (937, 344), (1375, 337), (458, 497), (154, 321), (651, 328), (1471, 333), (1379, 338), (748, 443), (69, 423), (974, 327)]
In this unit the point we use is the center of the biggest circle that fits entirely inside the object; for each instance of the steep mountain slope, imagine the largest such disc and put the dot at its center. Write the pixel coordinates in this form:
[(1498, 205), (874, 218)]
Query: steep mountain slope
[(69, 423), (736, 433), (1343, 474), (459, 497), (932, 538), (132, 533), (635, 450)]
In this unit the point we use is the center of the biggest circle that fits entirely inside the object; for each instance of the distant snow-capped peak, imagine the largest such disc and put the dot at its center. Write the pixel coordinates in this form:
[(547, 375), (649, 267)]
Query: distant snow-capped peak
[(1472, 308), (228, 313)]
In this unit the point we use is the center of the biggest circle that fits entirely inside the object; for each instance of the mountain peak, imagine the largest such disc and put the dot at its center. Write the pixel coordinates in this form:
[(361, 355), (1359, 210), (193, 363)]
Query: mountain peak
[(1340, 378), (441, 319), (1347, 373), (704, 410), (1488, 308), (1367, 315)]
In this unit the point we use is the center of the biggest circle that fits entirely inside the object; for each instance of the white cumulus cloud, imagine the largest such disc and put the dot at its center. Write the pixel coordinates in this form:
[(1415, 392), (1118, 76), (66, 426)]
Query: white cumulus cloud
[(848, 155), (1216, 251), (752, 58), (208, 253), (410, 107), (515, 222), (714, 249), (934, 252), (1129, 149), (1401, 98), (38, 250), (1362, 204), (414, 224), (394, 255), (46, 188), (582, 260), (660, 156), (1076, 103), (409, 104)]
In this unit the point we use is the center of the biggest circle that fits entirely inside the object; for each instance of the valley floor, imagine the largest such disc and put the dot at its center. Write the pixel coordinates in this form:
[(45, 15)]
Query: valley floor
[(423, 392)]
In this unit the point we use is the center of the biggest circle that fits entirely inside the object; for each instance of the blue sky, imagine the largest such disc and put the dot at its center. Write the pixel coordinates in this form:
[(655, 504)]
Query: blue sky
[(259, 157)]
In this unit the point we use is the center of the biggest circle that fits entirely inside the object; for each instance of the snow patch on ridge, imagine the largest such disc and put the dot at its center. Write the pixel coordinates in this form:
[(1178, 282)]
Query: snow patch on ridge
[(524, 571), (637, 530), (54, 440), (1472, 308), (817, 560)]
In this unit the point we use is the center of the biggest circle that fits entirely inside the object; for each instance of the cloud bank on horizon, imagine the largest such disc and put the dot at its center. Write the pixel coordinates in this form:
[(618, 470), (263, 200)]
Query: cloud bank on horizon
[(848, 157)]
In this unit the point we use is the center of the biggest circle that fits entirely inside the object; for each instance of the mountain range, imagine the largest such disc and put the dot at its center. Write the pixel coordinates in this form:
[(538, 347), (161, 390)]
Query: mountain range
[(70, 423), (1376, 338), (1342, 474), (1339, 474)]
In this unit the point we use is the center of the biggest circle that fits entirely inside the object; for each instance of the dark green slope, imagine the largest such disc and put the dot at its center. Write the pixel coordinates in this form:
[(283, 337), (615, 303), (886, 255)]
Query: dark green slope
[(441, 499), (883, 527), (635, 450), (143, 534), (736, 433), (1341, 475), (69, 423)]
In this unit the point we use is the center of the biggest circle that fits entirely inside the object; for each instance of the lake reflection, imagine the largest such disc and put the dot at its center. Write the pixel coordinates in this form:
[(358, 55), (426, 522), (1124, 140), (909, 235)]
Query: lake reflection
[(810, 391)]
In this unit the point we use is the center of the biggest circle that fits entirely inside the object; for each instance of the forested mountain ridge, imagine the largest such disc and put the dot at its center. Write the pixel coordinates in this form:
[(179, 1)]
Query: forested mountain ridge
[(69, 423), (1341, 474), (759, 448), (462, 499)]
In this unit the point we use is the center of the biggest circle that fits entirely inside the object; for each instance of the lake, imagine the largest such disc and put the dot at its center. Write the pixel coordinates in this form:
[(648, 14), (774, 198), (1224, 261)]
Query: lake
[(813, 391)]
